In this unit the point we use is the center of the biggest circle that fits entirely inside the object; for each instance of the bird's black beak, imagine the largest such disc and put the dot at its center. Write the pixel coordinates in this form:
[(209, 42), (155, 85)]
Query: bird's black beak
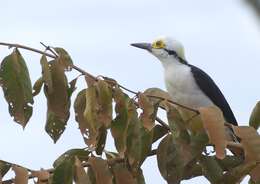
[(146, 46)]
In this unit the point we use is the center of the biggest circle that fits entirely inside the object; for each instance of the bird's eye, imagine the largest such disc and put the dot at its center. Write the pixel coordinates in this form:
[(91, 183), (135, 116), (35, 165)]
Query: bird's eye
[(158, 44)]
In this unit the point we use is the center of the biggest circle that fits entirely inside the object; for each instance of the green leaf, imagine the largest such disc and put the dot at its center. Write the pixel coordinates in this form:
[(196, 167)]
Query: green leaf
[(104, 95), (16, 84), (81, 154), (139, 140), (254, 120), (64, 172), (46, 73), (119, 125), (58, 102), (37, 86), (4, 167), (79, 108), (140, 177), (211, 169), (64, 58), (72, 86), (177, 124), (170, 160), (92, 123), (101, 140), (236, 174), (54, 125)]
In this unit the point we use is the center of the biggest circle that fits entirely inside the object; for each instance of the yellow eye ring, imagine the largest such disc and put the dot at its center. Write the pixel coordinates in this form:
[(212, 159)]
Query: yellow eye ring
[(159, 44)]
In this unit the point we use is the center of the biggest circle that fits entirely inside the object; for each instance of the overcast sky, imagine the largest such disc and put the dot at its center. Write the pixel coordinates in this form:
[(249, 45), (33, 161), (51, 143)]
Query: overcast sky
[(221, 37)]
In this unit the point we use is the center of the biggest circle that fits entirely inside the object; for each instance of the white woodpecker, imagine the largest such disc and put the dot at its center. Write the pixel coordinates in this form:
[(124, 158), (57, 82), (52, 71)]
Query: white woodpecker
[(186, 84)]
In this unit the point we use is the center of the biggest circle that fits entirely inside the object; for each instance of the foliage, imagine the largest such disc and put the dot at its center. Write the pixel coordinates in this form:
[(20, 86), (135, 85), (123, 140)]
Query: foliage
[(104, 107)]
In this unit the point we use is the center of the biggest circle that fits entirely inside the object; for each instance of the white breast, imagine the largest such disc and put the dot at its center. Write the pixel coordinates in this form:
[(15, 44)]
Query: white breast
[(182, 86)]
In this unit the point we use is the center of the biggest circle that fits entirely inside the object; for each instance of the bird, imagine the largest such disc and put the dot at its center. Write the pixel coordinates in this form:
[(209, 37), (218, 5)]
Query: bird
[(186, 84)]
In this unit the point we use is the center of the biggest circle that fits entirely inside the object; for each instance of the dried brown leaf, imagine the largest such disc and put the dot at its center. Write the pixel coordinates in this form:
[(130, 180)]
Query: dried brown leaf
[(213, 122), (42, 176), (81, 176), (101, 170), (147, 116), (122, 174), (250, 140), (21, 175)]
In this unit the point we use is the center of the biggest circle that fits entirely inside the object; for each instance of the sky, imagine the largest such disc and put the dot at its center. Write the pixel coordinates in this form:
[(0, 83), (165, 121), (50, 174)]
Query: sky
[(221, 37)]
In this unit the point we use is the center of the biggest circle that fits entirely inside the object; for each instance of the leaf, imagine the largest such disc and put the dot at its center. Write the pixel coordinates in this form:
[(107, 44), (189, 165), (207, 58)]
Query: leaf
[(81, 154), (213, 122), (72, 86), (16, 84), (149, 111), (64, 58), (140, 177), (119, 125), (158, 132), (101, 140), (104, 95), (58, 102), (235, 175), (21, 175), (177, 124), (42, 176), (37, 86), (157, 95), (101, 170), (169, 160), (46, 73), (254, 120), (55, 126), (79, 108), (81, 176), (255, 176), (92, 123), (211, 169), (122, 174), (139, 140), (250, 140), (91, 175), (4, 167), (134, 141), (64, 172)]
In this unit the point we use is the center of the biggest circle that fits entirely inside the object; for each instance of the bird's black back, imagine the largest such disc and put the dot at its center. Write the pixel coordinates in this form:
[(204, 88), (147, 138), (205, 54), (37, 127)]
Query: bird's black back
[(210, 89)]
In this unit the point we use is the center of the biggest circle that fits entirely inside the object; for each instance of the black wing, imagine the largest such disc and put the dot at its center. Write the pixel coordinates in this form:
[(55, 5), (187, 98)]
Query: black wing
[(208, 86)]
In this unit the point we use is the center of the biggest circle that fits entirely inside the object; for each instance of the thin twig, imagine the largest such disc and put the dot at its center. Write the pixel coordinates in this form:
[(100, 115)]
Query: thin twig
[(10, 45), (49, 49), (175, 103)]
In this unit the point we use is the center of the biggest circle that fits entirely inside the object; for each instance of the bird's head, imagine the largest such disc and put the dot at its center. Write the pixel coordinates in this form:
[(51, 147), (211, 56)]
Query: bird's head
[(163, 48)]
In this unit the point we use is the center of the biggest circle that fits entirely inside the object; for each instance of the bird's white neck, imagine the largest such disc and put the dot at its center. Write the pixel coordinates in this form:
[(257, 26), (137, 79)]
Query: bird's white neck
[(170, 62)]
